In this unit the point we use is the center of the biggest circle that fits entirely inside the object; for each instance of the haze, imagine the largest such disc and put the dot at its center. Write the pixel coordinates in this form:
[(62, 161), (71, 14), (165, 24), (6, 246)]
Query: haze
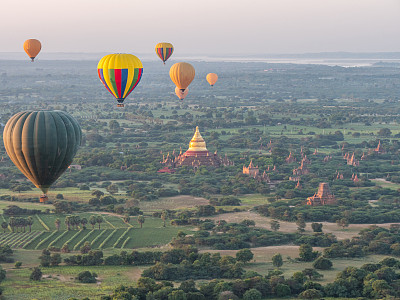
[(209, 27)]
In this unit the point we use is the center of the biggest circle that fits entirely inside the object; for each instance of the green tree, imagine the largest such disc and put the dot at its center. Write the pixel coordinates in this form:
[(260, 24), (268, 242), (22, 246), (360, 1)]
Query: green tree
[(322, 263), (45, 258), (4, 225), (57, 222), (99, 220), (36, 274), (29, 222), (55, 259), (177, 295), (141, 220), (86, 247), (112, 189), (306, 253), (244, 255), (277, 260), (93, 220), (311, 294), (275, 225), (18, 264), (97, 194), (252, 294), (300, 222), (164, 216), (316, 227)]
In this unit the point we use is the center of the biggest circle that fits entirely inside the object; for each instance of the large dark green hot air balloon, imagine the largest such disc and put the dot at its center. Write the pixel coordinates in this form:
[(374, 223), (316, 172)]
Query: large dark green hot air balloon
[(42, 144)]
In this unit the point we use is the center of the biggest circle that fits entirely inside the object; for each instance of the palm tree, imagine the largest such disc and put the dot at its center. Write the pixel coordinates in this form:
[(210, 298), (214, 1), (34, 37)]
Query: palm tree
[(140, 220), (99, 220), (92, 220), (29, 222), (68, 221), (84, 221), (4, 225), (11, 222), (57, 222), (23, 223), (77, 221)]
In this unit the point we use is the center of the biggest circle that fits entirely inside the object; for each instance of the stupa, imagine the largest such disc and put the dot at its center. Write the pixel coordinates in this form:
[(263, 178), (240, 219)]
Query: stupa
[(197, 155)]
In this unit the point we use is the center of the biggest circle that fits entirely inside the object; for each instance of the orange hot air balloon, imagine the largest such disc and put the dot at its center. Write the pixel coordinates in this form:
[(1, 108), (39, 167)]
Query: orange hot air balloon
[(181, 95), (32, 47), (212, 78), (182, 74)]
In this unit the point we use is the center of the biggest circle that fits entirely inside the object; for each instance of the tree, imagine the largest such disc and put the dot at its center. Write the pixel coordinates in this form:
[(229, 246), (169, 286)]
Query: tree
[(65, 248), (4, 225), (385, 132), (18, 264), (306, 253), (29, 222), (93, 220), (86, 277), (300, 222), (67, 221), (316, 227), (311, 294), (86, 248), (36, 274), (11, 222), (140, 220), (277, 260), (343, 222), (322, 263), (312, 274), (275, 225), (252, 294), (45, 258), (126, 219), (84, 221), (55, 259), (112, 189), (57, 222), (164, 216), (97, 194), (177, 295), (244, 255), (99, 220), (60, 196)]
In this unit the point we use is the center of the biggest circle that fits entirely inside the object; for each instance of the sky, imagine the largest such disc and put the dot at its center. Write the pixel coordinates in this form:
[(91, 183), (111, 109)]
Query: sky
[(202, 27)]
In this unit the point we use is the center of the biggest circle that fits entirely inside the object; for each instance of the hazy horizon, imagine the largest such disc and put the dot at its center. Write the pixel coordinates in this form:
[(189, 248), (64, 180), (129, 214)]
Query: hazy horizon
[(208, 27)]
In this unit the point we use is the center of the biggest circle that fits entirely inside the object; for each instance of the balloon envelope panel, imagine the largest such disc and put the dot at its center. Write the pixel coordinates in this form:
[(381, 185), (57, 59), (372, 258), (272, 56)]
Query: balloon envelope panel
[(42, 144)]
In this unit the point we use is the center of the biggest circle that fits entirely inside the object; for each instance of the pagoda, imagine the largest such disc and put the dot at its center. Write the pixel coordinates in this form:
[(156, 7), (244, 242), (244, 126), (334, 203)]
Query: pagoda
[(197, 155), (322, 197)]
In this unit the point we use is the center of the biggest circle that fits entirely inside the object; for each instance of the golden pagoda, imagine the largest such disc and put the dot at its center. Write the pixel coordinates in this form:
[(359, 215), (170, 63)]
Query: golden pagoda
[(197, 155), (197, 145)]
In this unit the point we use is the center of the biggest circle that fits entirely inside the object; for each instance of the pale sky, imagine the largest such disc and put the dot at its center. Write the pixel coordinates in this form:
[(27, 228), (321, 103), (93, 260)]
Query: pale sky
[(209, 27)]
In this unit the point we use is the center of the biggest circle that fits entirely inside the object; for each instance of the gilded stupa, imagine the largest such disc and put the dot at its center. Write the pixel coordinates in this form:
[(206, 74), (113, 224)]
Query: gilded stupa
[(197, 155), (197, 145)]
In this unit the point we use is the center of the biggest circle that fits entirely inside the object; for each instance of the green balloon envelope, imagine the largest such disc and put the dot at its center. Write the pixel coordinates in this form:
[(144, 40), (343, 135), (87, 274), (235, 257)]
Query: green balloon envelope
[(42, 144)]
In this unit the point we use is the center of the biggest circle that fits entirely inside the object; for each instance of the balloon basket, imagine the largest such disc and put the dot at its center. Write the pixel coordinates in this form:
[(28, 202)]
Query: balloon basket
[(43, 198), (120, 105)]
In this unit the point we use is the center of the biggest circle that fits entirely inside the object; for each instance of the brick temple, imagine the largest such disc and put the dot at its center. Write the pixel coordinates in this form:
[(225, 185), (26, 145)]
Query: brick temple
[(322, 197)]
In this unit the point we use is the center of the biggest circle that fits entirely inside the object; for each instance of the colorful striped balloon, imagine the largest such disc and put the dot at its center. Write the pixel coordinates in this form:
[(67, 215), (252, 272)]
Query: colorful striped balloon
[(120, 74), (164, 51)]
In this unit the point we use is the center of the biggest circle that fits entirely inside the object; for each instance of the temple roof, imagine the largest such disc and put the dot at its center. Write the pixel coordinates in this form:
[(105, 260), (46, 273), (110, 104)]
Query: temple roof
[(197, 145)]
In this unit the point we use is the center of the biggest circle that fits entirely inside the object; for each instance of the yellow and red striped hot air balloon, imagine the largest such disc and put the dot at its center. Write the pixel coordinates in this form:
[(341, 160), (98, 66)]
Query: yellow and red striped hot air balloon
[(120, 74), (212, 78), (32, 47), (164, 51)]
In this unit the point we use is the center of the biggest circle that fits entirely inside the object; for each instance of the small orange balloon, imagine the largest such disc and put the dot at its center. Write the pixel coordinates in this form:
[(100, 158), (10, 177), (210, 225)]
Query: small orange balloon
[(212, 78), (181, 95), (32, 47)]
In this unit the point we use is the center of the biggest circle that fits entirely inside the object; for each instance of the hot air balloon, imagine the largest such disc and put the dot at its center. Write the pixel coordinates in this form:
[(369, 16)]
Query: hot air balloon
[(32, 48), (182, 74), (181, 95), (164, 51), (42, 144), (212, 78), (120, 74)]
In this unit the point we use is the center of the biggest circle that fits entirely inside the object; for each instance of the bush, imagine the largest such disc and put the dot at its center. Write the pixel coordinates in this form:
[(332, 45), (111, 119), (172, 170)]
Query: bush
[(322, 263), (311, 294), (87, 277), (36, 274), (252, 294)]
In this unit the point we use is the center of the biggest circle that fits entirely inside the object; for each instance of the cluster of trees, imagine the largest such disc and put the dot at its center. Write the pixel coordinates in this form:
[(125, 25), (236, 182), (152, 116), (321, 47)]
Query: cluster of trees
[(14, 210), (75, 222), (16, 223), (232, 236)]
